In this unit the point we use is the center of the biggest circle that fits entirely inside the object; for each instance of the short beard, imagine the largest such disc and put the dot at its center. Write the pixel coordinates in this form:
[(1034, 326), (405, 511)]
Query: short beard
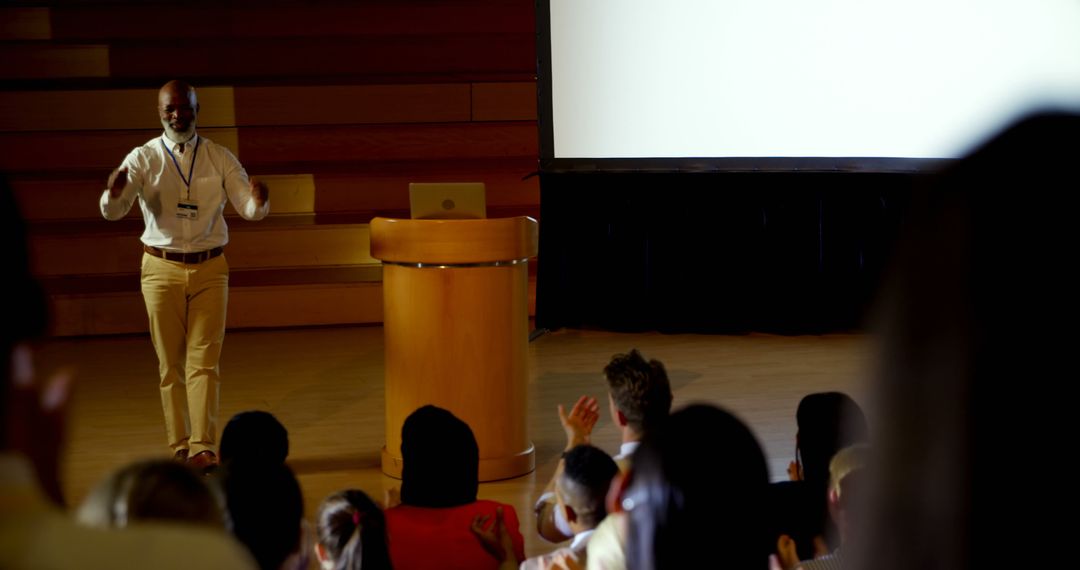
[(178, 136)]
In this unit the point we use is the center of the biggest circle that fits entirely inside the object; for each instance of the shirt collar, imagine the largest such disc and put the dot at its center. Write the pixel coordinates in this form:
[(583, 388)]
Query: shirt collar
[(627, 448), (174, 147), (581, 537)]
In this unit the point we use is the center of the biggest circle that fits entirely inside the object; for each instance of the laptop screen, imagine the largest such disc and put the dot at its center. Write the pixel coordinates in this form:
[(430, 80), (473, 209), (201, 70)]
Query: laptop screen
[(447, 200)]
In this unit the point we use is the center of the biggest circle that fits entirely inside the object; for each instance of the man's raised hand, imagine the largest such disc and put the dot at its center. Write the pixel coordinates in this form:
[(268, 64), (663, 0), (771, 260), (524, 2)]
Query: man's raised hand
[(259, 191), (117, 182)]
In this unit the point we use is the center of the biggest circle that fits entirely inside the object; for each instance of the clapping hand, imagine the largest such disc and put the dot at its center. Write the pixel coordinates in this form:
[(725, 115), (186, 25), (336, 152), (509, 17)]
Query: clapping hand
[(495, 538), (579, 423), (36, 417)]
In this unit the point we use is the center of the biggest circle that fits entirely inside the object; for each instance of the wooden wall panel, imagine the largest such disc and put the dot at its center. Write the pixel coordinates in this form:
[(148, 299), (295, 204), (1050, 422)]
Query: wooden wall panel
[(504, 101), (262, 145), (232, 60), (289, 194), (113, 247), (104, 109), (51, 199), (118, 109), (345, 193), (24, 24), (45, 151), (50, 61), (352, 104), (76, 198), (131, 21)]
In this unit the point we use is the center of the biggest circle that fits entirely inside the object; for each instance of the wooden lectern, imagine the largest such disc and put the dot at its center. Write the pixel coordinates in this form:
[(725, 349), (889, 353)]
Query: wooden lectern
[(456, 326)]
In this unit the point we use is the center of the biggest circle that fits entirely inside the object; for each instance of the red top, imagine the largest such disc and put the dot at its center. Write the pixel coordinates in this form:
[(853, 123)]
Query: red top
[(422, 538)]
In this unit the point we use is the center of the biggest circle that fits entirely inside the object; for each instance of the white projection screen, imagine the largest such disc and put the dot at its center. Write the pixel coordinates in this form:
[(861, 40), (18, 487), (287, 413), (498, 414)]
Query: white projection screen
[(691, 79)]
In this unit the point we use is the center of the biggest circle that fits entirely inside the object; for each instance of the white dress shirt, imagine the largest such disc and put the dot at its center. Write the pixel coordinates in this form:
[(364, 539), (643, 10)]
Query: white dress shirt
[(159, 184), (626, 450)]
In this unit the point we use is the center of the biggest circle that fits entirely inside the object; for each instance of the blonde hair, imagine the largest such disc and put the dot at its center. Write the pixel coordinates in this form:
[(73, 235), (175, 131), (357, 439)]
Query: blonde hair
[(845, 462)]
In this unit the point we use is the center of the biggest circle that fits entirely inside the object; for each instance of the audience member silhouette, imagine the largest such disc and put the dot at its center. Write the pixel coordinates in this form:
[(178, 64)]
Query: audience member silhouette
[(978, 326), (580, 491), (686, 513), (254, 438), (152, 490), (639, 396), (827, 422), (847, 474), (439, 484), (265, 509)]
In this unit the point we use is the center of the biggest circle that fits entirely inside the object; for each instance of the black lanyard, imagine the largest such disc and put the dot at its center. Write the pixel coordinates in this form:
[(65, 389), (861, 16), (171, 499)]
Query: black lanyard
[(191, 169)]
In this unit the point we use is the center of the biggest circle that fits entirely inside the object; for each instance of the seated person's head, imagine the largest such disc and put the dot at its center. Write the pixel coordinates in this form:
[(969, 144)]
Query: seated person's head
[(264, 508), (583, 485), (155, 490), (440, 460), (255, 437), (696, 495), (846, 473), (977, 324), (352, 533), (639, 392), (827, 422)]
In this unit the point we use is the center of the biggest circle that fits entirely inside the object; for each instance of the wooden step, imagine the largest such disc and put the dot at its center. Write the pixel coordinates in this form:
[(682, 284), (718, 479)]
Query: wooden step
[(258, 147), (71, 197), (261, 298), (103, 247), (248, 20), (222, 59), (279, 105), (113, 304)]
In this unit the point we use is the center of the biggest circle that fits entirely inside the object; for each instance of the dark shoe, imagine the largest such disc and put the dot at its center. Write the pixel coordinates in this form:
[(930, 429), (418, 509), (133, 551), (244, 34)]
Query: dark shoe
[(204, 461), (180, 456)]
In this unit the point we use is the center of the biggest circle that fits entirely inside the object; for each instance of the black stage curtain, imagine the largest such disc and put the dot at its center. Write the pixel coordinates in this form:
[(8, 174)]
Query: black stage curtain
[(727, 252)]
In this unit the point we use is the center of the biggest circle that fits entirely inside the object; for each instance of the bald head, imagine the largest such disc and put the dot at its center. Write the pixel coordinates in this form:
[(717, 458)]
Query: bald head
[(178, 108)]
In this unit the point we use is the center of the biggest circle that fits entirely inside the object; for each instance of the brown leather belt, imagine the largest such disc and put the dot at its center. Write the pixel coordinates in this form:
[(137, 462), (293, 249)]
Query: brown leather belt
[(190, 257)]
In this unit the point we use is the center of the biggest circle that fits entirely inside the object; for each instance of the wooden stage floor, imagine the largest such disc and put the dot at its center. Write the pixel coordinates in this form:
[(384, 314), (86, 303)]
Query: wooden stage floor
[(326, 386)]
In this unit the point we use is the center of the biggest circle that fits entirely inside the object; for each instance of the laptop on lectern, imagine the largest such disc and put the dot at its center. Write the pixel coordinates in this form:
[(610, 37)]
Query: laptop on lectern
[(447, 200)]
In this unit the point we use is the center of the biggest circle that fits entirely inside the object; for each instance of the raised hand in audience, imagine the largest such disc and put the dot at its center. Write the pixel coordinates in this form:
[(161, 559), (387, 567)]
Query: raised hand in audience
[(579, 423), (793, 471), (496, 539), (391, 498), (35, 419)]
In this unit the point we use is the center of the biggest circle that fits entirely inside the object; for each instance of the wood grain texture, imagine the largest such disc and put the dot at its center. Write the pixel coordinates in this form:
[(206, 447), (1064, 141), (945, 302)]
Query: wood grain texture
[(105, 109), (246, 59), (24, 23), (49, 61), (386, 186), (504, 101), (128, 21), (280, 241), (85, 150), (489, 240), (471, 326), (352, 104), (374, 143)]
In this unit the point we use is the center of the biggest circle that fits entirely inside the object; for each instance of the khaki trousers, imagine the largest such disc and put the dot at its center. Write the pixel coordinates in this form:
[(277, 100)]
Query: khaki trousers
[(186, 304)]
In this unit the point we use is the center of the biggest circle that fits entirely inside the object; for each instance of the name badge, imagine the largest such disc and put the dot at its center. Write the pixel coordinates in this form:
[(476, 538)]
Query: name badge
[(187, 210)]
